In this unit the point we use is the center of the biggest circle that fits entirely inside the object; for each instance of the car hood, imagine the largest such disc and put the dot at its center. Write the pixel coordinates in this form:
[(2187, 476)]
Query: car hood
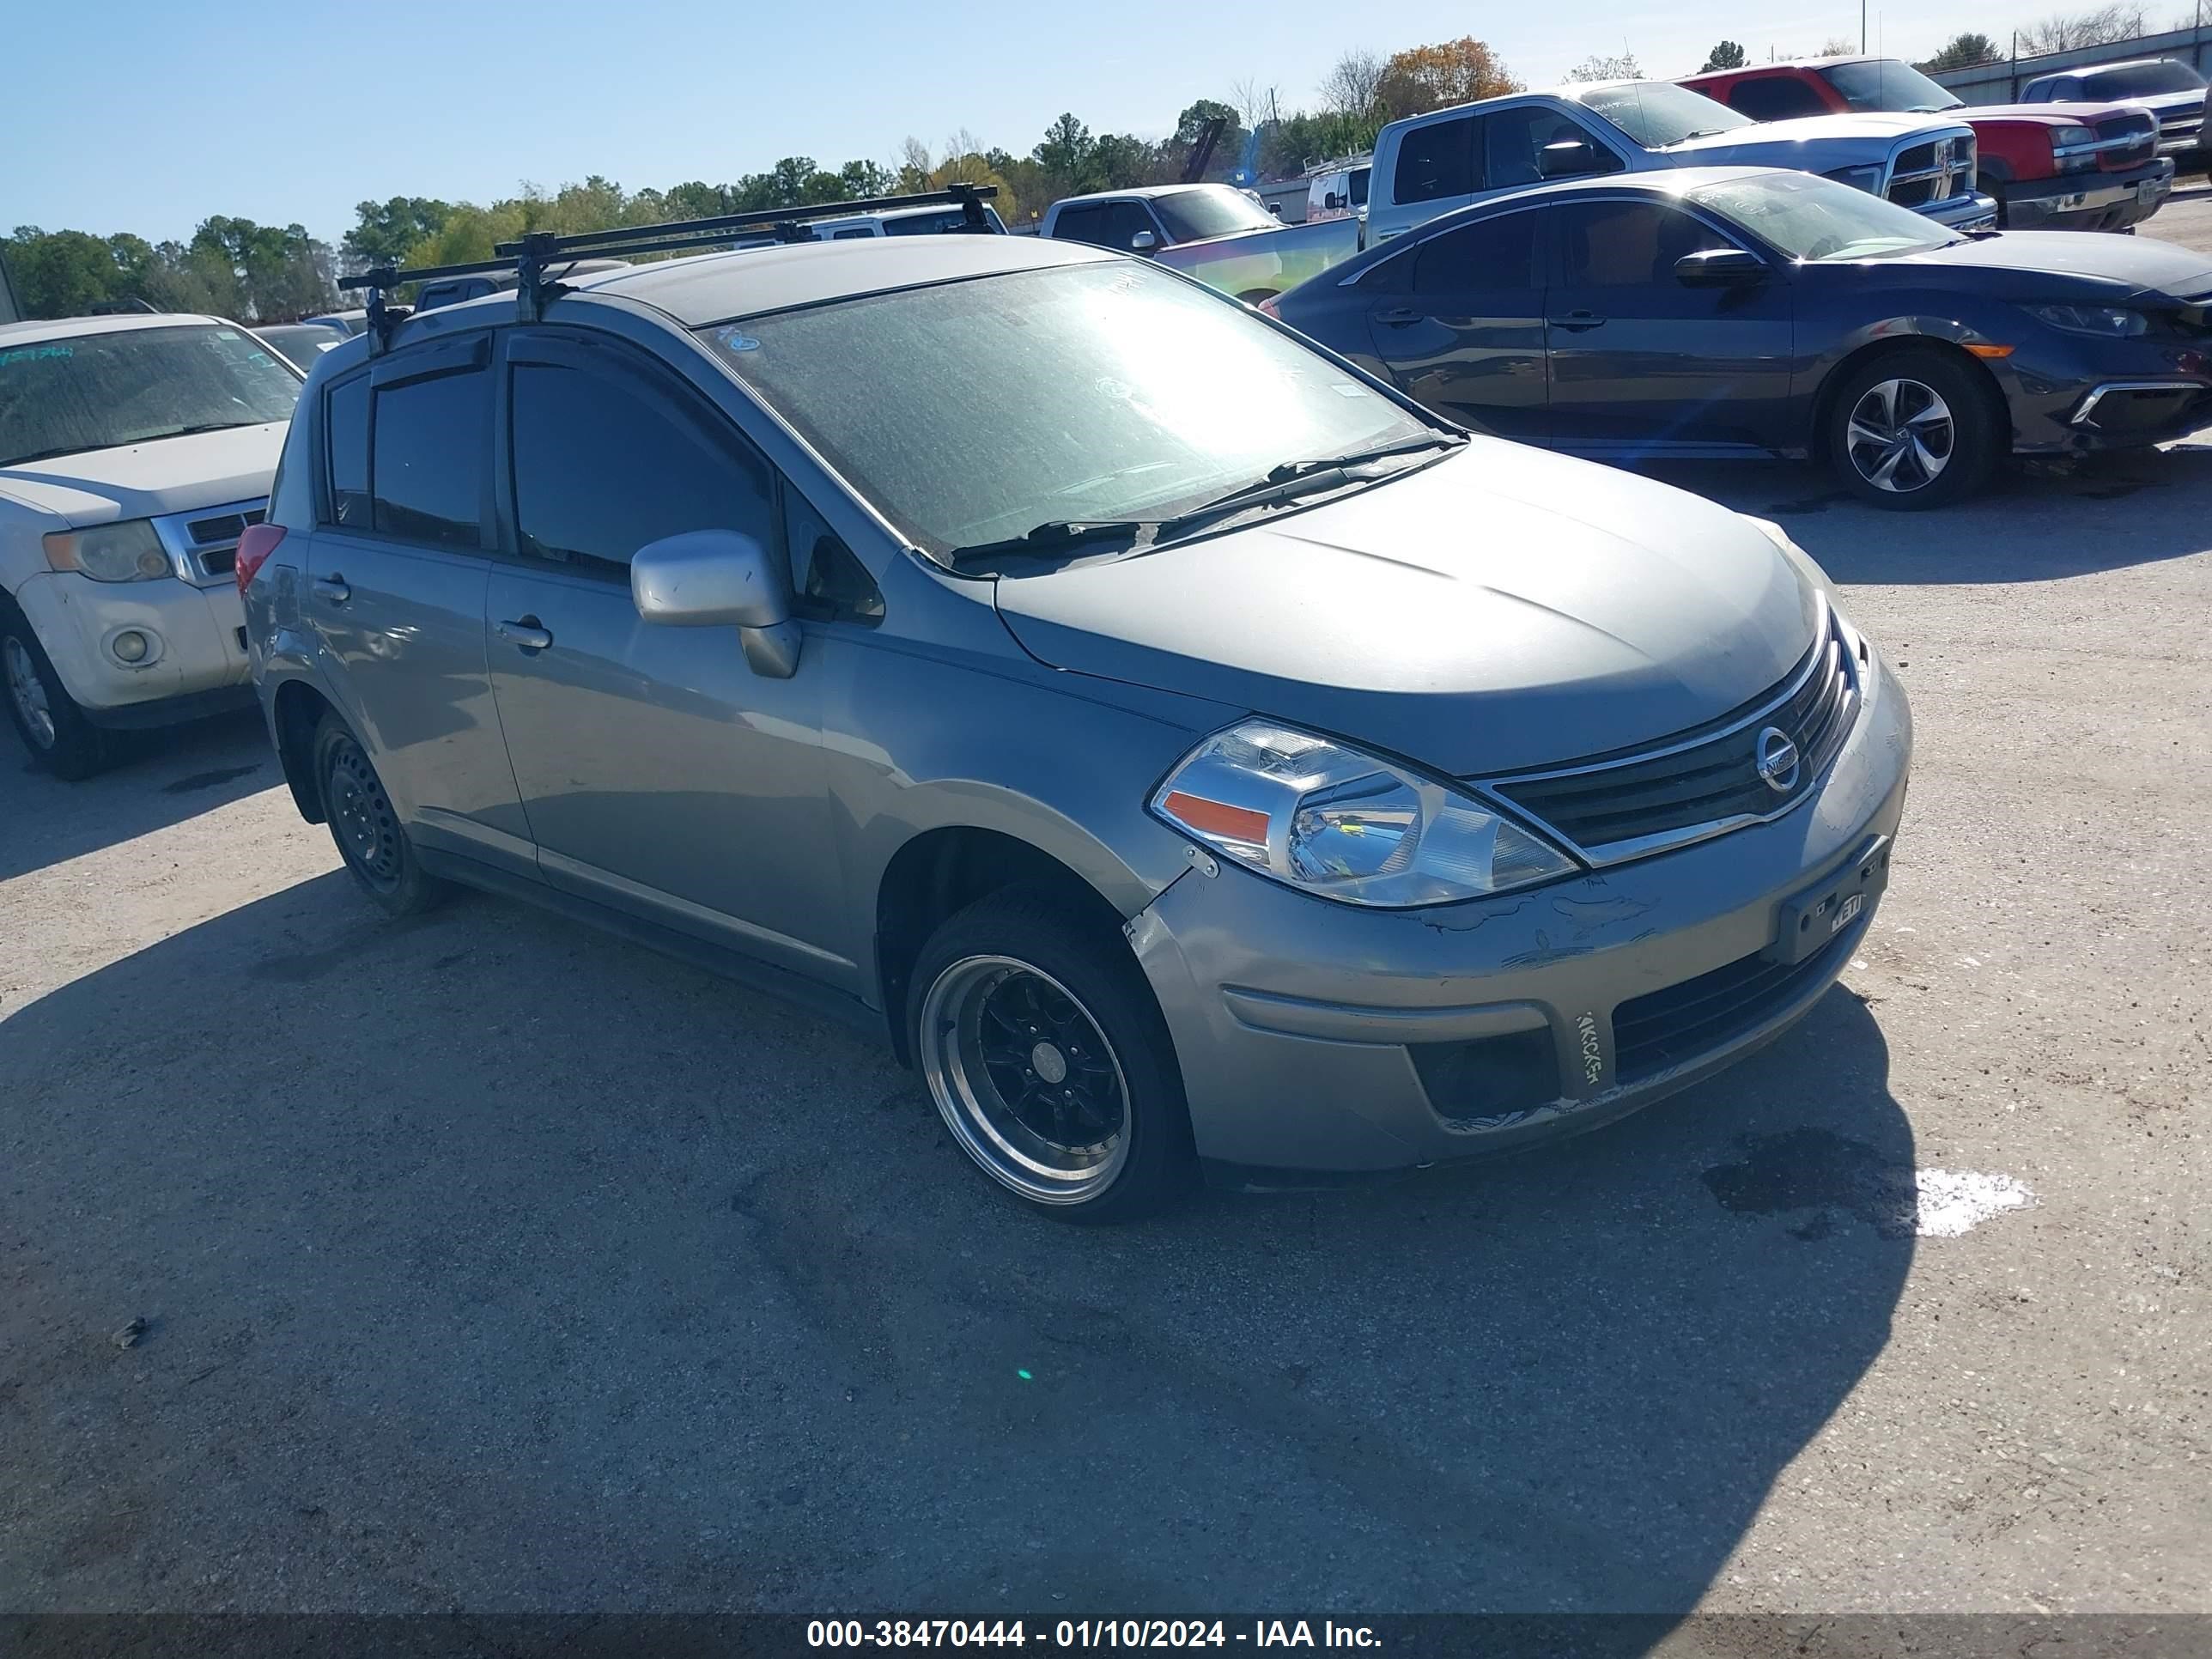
[(140, 480), (1883, 127), (1502, 609), (2137, 262)]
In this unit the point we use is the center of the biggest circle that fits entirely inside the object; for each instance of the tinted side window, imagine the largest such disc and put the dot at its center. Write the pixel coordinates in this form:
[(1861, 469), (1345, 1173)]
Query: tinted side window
[(1515, 140), (1776, 98), (1436, 161), (426, 457), (346, 449), (1627, 244), (1082, 224), (1496, 254), (1124, 220), (601, 469)]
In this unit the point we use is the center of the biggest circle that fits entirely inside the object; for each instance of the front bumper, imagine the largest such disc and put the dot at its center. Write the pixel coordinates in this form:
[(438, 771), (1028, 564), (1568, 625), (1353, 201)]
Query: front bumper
[(196, 634), (1968, 212), (2089, 201), (2071, 396), (1317, 1038)]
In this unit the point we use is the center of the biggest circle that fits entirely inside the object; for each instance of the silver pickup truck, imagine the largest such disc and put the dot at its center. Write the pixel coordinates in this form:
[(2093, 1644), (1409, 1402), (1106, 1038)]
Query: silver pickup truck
[(1430, 164), (1218, 234)]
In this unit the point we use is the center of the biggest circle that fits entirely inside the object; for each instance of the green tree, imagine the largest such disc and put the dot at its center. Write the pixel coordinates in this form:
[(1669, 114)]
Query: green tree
[(1068, 157), (1964, 51), (61, 274), (1726, 56), (386, 231)]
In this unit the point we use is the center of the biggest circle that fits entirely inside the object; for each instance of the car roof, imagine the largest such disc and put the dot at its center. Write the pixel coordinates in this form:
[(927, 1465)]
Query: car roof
[(1144, 191), (713, 288), (73, 328), (2099, 69)]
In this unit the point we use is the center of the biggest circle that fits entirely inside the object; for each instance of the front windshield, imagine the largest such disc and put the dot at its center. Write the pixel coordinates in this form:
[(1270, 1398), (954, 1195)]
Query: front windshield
[(1819, 219), (1191, 216), (102, 391), (1886, 83), (973, 411), (2142, 80), (302, 342), (1656, 114)]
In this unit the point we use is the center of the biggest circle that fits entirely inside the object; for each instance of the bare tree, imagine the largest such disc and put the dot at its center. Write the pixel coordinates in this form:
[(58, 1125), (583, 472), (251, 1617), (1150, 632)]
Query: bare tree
[(1254, 103), (1836, 46), (1354, 82), (1621, 67), (914, 165), (2066, 31)]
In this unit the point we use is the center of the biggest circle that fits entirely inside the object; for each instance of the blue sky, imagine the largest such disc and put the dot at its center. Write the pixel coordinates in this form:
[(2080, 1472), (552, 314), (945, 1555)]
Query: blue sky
[(153, 117)]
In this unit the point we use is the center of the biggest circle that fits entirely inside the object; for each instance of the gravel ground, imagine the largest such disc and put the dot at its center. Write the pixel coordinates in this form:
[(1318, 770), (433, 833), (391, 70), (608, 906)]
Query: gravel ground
[(489, 1263)]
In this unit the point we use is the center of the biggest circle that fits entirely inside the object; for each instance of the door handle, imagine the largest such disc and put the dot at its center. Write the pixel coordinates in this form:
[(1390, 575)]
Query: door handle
[(1398, 317), (525, 633), (333, 588), (1577, 322)]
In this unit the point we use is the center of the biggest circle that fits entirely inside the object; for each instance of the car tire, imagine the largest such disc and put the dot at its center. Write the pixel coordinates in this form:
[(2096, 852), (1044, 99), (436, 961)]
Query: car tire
[(1914, 428), (1046, 1057), (370, 837), (62, 739)]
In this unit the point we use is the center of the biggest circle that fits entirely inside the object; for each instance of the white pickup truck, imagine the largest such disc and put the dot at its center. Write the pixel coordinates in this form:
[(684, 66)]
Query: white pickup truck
[(134, 452), (1219, 235)]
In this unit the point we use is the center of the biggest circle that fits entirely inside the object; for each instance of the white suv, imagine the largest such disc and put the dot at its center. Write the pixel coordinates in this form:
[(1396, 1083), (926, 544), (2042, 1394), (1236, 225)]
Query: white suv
[(134, 452)]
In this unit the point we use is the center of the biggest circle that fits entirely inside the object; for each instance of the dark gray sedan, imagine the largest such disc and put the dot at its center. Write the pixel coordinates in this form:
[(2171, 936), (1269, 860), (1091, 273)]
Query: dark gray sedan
[(1185, 752), (1745, 312)]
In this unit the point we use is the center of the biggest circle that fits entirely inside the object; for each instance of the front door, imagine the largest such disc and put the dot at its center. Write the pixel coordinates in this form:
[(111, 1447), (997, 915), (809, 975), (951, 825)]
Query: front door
[(395, 591), (1643, 363), (660, 773), (1458, 320)]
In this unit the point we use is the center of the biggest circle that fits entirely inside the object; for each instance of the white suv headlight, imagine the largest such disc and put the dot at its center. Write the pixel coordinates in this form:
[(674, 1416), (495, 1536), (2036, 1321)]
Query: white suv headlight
[(1329, 819), (126, 552)]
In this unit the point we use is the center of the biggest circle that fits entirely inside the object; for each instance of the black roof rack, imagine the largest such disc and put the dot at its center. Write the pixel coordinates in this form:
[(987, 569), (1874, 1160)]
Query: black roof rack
[(528, 259)]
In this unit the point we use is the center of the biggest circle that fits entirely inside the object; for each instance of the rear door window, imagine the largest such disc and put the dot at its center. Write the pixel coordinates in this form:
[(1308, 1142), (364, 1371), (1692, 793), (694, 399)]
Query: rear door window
[(1087, 223), (429, 439), (1776, 98), (1437, 162)]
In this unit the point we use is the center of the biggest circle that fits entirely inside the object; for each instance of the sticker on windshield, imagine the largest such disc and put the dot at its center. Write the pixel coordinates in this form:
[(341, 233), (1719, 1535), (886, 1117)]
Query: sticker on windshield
[(734, 339), (32, 354)]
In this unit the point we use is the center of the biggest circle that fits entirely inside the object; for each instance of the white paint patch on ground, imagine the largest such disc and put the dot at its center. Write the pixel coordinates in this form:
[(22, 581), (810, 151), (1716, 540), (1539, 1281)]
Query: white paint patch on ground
[(1952, 1203)]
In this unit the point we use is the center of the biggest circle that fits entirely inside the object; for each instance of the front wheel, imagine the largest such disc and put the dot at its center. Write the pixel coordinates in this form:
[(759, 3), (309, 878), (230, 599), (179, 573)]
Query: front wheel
[(1914, 429), (56, 731), (1048, 1058)]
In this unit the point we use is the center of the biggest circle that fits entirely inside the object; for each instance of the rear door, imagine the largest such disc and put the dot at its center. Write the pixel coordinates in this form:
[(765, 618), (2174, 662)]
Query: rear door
[(395, 595), (660, 773), (1641, 363), (1458, 321)]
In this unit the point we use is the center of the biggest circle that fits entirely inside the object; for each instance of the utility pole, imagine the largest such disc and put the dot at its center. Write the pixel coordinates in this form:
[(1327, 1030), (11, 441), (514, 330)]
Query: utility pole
[(1862, 3)]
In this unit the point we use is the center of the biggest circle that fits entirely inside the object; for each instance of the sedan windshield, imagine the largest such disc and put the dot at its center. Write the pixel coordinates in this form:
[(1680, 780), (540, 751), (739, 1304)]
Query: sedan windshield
[(1886, 83), (971, 412), (1819, 219), (132, 385), (302, 342), (2142, 80), (1656, 114), (1192, 216)]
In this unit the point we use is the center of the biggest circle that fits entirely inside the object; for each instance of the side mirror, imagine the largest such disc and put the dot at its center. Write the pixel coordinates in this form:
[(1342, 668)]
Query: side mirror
[(719, 579), (1719, 267), (1570, 158), (1143, 242)]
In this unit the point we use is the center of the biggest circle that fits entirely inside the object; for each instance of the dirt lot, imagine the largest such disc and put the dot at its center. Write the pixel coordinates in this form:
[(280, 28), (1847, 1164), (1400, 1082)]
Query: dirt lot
[(488, 1263)]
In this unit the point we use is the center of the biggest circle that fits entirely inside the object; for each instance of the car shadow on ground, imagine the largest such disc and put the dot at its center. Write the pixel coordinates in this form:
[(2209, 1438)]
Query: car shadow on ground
[(162, 777), (2035, 522), (496, 1264)]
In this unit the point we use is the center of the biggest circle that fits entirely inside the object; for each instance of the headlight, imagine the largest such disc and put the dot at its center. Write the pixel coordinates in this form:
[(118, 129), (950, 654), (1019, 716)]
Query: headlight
[(1328, 819), (2106, 322), (2081, 141), (125, 552), (1866, 178)]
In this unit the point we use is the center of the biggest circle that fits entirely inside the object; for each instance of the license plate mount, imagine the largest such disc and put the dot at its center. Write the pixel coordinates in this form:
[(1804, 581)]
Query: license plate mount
[(1810, 919)]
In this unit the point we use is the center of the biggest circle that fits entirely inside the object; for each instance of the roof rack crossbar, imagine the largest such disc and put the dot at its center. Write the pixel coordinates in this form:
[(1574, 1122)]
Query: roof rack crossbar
[(530, 259)]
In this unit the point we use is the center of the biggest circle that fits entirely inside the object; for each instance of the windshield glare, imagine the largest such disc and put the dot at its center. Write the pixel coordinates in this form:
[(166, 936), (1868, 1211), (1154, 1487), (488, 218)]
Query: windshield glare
[(973, 411), (1191, 216), (1888, 84), (102, 391), (302, 342), (1656, 114), (1819, 219), (2142, 81)]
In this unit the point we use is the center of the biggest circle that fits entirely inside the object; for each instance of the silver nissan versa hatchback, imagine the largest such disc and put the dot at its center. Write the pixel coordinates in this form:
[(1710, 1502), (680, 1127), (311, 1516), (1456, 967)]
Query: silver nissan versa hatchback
[(1190, 753)]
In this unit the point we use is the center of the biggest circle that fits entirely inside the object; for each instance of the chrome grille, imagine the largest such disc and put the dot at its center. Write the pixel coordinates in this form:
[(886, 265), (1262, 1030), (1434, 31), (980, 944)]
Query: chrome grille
[(1933, 170), (203, 545), (1706, 782), (2126, 140)]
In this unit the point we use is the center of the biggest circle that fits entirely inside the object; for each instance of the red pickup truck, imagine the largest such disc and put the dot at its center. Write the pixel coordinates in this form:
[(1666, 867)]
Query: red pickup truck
[(2051, 166)]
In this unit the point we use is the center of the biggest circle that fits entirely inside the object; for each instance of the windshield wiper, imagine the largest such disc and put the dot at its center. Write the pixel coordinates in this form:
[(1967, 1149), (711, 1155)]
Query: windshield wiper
[(1289, 469), (191, 431), (44, 454), (1053, 536)]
